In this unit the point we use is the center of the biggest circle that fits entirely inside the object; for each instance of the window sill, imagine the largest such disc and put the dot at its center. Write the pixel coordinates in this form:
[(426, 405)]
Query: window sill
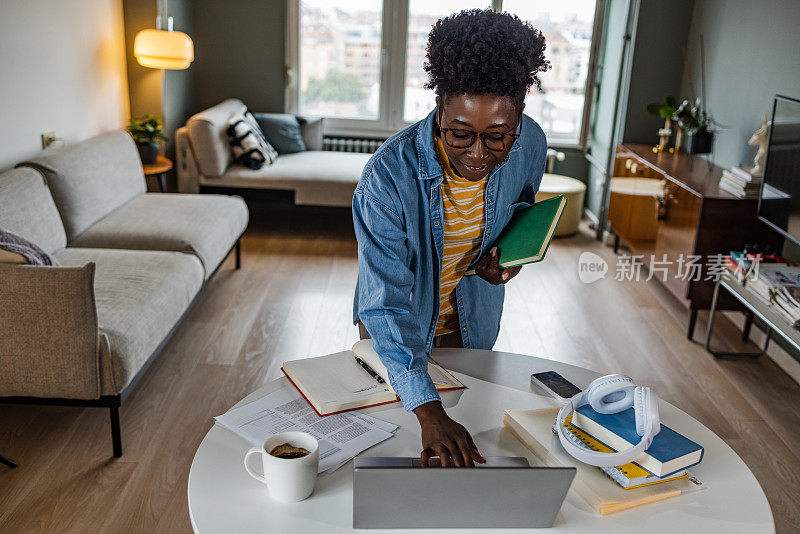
[(379, 133)]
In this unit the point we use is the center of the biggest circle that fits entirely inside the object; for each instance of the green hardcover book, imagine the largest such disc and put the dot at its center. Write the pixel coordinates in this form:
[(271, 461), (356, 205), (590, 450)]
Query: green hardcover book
[(528, 234)]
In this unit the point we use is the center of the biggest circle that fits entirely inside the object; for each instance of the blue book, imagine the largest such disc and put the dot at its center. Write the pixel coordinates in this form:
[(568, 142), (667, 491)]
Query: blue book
[(669, 453)]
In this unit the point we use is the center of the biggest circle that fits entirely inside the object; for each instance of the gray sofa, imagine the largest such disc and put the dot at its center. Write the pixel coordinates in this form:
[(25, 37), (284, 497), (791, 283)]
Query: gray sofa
[(317, 177), (132, 264)]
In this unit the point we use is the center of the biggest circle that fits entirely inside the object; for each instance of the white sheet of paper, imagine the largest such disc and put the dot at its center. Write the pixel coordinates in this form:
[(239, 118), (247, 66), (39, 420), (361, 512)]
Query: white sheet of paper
[(341, 436)]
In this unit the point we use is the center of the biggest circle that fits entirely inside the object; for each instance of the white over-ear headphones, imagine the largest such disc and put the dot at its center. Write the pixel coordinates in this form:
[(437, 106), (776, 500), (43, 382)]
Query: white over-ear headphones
[(612, 394)]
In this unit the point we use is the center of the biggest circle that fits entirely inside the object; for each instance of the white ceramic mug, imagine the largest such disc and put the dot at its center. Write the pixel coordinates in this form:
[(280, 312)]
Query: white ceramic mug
[(287, 479)]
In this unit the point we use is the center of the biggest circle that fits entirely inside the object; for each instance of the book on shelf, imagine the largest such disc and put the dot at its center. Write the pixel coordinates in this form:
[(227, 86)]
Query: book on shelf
[(745, 186), (745, 173), (669, 452), (751, 190), (528, 234), (739, 179), (338, 383), (741, 259), (630, 475), (779, 274)]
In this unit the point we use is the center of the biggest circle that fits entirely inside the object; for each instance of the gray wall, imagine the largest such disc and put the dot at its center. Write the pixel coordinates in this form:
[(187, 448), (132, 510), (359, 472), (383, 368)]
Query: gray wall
[(661, 34), (239, 50), (164, 93), (178, 84), (63, 71), (752, 52), (146, 84)]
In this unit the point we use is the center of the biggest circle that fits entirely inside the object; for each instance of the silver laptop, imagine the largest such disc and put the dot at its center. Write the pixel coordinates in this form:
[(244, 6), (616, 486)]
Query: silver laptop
[(503, 493)]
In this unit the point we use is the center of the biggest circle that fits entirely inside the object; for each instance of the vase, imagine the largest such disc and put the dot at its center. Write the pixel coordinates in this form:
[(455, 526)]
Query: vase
[(700, 142), (148, 153)]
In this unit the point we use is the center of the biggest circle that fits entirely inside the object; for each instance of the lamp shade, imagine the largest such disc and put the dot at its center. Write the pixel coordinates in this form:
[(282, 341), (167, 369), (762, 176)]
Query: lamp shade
[(160, 49)]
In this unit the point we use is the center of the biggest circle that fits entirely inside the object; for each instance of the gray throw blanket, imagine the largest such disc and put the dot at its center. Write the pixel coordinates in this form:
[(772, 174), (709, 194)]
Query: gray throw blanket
[(29, 251)]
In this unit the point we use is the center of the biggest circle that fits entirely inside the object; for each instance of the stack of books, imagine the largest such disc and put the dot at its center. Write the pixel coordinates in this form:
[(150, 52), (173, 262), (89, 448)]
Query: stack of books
[(740, 181), (534, 429), (779, 285), (628, 476), (666, 459)]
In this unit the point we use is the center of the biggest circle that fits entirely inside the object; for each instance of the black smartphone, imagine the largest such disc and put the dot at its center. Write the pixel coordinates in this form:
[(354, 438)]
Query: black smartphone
[(555, 384)]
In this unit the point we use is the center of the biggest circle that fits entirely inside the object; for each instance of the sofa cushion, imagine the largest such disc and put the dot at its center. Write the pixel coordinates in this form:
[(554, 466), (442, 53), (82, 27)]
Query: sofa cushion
[(48, 345), (312, 130), (249, 146), (318, 177), (140, 296), (208, 133), (91, 178), (204, 225), (27, 209), (282, 130)]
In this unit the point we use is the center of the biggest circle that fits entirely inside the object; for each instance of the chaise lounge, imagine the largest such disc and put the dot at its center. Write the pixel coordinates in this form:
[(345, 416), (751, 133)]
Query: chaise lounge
[(317, 177)]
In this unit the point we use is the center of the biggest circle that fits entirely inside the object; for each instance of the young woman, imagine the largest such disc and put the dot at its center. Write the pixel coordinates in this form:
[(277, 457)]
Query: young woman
[(432, 200)]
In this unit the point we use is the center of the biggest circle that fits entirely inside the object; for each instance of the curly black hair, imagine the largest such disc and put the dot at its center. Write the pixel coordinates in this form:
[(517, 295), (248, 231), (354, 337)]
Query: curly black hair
[(480, 51)]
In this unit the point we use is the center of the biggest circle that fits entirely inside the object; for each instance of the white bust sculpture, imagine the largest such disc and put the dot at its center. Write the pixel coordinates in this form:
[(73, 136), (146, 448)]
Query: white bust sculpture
[(759, 139)]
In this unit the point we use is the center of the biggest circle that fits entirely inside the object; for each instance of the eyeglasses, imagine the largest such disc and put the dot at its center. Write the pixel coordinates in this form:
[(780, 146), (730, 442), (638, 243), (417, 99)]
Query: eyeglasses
[(494, 141)]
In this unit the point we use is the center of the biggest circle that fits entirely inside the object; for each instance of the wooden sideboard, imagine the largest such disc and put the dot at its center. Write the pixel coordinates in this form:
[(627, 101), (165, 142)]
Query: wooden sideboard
[(693, 217)]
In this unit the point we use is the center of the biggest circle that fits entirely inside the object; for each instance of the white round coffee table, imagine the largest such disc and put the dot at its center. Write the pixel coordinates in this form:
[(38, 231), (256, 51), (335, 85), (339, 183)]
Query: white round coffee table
[(223, 498)]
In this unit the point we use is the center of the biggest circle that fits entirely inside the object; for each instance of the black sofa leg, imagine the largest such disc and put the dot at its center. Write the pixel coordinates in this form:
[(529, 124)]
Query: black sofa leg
[(116, 434), (692, 322), (5, 461), (239, 254)]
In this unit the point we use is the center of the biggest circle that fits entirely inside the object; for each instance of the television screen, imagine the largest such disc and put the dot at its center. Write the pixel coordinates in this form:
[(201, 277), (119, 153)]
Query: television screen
[(779, 204)]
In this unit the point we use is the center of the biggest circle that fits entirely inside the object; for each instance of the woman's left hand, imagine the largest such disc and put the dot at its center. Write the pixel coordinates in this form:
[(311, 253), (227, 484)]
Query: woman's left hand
[(488, 269)]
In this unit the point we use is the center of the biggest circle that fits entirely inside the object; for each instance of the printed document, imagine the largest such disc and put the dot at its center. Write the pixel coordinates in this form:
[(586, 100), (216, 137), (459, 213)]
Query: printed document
[(341, 436)]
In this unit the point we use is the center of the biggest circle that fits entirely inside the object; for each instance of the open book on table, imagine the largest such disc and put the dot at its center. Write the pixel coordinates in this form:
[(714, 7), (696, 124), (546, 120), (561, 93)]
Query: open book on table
[(337, 383)]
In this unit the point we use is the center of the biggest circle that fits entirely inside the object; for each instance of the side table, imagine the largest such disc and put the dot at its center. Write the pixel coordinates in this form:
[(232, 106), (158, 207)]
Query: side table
[(159, 169), (775, 323)]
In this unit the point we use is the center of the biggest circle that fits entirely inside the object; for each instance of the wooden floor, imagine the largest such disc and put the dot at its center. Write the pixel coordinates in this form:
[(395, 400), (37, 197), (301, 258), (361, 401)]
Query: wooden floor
[(292, 299)]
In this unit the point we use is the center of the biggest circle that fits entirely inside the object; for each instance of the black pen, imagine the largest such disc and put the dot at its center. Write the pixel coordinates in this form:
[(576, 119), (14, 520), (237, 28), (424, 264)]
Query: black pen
[(369, 369)]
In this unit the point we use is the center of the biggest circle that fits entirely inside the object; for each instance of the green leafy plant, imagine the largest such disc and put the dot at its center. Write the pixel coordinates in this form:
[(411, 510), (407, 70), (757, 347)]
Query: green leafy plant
[(146, 130), (665, 110), (693, 118)]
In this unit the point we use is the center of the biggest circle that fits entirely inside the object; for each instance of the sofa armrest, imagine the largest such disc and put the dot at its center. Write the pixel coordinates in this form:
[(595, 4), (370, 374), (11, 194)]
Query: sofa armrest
[(188, 171), (312, 131), (49, 341)]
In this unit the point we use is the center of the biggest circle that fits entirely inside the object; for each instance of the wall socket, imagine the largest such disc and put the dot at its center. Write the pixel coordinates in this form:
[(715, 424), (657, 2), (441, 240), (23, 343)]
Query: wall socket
[(48, 138)]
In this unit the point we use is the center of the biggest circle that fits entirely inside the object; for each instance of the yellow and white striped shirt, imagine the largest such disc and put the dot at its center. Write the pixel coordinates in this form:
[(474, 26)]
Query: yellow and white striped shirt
[(464, 222)]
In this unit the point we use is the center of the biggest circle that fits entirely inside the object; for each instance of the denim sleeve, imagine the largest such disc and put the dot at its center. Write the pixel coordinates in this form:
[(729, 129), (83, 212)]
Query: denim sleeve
[(384, 300)]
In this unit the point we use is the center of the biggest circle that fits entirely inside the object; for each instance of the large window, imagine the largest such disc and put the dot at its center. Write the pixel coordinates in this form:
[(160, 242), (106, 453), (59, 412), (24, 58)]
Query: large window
[(567, 27), (340, 58), (359, 62)]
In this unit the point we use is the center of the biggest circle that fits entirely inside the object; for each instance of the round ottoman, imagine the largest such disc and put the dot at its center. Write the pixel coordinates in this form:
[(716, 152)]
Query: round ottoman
[(556, 184)]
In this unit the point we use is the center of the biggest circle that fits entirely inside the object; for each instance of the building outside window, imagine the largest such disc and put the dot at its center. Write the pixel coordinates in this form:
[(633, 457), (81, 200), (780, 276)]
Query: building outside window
[(359, 62)]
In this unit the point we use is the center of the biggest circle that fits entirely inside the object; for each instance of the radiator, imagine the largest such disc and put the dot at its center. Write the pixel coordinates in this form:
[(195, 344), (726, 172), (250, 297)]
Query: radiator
[(351, 144)]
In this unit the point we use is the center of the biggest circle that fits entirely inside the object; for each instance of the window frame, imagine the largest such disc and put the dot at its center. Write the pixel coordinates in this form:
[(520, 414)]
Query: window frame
[(394, 32)]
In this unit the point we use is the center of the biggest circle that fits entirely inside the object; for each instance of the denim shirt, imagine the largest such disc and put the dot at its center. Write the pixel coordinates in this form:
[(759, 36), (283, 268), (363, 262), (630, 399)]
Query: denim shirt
[(397, 214)]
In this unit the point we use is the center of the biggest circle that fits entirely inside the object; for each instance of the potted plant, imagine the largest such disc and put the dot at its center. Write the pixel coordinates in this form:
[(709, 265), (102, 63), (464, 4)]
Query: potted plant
[(698, 125), (147, 132), (665, 110)]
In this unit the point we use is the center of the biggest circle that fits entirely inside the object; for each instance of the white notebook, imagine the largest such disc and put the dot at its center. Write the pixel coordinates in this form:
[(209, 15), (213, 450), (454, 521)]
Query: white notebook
[(337, 383)]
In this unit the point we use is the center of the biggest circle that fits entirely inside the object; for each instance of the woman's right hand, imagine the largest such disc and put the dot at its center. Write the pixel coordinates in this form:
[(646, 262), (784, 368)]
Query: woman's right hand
[(489, 269), (445, 438)]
